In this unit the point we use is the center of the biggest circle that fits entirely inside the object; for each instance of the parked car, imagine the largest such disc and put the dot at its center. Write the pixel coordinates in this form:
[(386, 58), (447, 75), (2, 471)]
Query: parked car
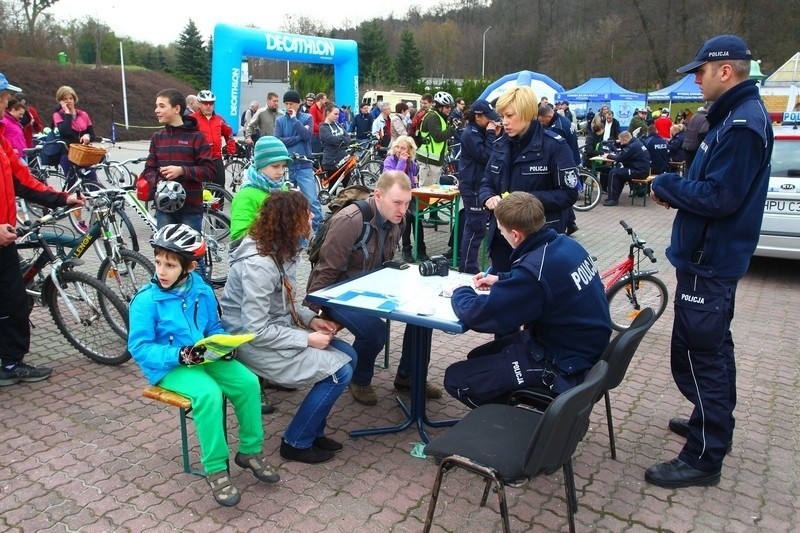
[(780, 229)]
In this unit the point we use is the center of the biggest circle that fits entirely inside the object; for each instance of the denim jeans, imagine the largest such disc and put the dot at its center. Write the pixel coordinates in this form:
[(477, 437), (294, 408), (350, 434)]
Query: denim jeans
[(312, 416), (370, 337), (303, 179), (193, 220)]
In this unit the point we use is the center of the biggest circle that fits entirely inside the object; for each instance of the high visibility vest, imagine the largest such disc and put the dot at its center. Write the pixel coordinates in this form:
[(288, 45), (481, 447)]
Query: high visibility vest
[(431, 149)]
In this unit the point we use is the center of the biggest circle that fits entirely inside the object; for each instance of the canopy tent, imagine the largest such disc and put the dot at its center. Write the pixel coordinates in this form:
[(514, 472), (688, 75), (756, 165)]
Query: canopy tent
[(542, 85), (788, 74), (683, 90), (605, 91), (780, 89)]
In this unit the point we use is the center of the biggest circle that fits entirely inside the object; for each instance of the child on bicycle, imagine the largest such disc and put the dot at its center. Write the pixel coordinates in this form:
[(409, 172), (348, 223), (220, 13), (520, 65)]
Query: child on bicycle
[(267, 173), (167, 318)]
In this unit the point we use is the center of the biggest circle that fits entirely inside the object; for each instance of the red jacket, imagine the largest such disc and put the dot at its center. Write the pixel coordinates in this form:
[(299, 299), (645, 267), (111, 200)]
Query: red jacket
[(214, 128), (16, 180), (663, 124), (318, 114)]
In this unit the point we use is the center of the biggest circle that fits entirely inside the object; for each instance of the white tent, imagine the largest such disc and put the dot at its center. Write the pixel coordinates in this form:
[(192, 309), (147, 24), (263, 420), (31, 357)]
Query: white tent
[(782, 86)]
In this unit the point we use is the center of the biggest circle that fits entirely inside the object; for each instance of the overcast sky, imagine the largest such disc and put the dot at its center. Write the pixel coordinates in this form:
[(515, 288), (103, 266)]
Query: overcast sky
[(160, 22)]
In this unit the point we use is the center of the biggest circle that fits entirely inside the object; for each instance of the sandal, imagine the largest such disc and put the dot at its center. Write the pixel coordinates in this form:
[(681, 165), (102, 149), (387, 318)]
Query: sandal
[(223, 490), (258, 465)]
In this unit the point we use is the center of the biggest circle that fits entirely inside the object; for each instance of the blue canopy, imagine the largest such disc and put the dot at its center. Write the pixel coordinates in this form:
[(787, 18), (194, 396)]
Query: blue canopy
[(599, 90), (684, 90)]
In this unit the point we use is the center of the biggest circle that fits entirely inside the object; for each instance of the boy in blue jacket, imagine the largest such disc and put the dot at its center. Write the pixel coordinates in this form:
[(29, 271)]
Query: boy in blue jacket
[(167, 317)]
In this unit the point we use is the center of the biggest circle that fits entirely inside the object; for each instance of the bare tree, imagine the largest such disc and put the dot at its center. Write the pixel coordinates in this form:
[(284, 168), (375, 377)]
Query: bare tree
[(32, 10)]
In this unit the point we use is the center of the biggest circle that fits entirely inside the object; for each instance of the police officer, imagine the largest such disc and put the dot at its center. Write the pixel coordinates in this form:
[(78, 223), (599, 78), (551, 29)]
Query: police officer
[(631, 162), (556, 296), (657, 149), (720, 204), (483, 125), (529, 158), (563, 126)]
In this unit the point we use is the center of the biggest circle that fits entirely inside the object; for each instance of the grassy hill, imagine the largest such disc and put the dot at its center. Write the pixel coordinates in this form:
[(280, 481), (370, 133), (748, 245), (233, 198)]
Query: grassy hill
[(99, 93)]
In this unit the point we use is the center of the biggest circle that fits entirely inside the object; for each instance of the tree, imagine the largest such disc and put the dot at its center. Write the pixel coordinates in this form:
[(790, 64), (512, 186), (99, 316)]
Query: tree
[(192, 57), (32, 10), (373, 54), (409, 59)]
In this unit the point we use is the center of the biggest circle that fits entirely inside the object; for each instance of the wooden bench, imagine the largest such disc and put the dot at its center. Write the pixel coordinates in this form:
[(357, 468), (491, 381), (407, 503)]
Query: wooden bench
[(641, 188), (184, 406)]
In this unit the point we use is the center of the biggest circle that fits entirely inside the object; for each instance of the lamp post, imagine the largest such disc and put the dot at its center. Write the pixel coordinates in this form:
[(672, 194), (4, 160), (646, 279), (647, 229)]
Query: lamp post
[(483, 58)]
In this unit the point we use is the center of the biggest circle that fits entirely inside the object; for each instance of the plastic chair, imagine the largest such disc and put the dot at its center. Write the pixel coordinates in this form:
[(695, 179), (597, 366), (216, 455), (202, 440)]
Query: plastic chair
[(507, 444)]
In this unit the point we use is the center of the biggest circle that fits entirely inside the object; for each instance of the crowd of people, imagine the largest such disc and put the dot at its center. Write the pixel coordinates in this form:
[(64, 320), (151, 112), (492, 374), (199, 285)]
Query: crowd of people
[(518, 170)]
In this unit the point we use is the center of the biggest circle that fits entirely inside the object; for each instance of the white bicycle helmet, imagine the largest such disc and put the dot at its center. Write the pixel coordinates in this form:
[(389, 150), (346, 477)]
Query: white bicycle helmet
[(170, 196), (206, 96), (181, 239), (443, 98)]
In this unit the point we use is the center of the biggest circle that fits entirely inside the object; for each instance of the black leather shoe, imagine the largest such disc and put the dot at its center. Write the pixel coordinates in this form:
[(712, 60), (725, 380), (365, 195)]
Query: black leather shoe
[(572, 228), (676, 474), (609, 201), (329, 445), (680, 426), (311, 456)]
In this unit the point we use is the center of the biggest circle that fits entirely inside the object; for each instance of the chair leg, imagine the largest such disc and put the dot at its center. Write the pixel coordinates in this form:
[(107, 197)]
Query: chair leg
[(611, 440), (501, 500), (572, 499), (184, 441), (486, 490), (435, 495)]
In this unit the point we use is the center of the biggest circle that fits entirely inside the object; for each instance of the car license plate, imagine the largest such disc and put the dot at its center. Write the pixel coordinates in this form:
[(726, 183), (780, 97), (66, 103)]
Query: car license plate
[(782, 207)]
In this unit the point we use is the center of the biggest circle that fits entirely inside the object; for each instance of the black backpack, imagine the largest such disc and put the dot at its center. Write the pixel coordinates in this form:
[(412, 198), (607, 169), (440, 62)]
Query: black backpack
[(358, 195), (243, 120)]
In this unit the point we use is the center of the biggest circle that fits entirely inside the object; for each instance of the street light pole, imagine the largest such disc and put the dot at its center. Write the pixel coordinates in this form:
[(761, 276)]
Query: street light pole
[(483, 59)]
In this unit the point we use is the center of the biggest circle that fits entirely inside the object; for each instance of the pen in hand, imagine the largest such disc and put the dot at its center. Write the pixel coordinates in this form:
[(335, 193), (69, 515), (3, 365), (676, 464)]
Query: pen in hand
[(479, 278)]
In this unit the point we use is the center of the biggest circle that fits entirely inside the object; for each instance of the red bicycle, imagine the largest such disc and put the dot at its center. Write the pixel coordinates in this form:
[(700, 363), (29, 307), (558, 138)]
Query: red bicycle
[(630, 289)]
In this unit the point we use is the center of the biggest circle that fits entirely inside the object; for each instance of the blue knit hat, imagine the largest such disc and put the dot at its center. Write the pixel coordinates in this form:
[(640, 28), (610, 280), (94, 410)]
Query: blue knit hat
[(269, 150)]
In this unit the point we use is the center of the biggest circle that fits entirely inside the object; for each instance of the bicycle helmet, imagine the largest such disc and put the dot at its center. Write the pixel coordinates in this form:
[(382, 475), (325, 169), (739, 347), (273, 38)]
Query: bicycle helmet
[(182, 240), (206, 96), (311, 96), (170, 196), (443, 98)]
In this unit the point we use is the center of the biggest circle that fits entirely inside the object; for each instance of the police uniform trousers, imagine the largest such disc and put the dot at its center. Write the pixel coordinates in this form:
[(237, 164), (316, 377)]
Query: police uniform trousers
[(618, 178), (474, 219), (703, 365)]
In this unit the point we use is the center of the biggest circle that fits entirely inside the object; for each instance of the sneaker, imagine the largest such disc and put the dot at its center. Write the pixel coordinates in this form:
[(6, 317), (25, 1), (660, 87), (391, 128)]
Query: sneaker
[(329, 445), (363, 394), (23, 372), (408, 257), (223, 490), (82, 226), (422, 256), (311, 456), (267, 407), (448, 254), (432, 392), (257, 464), (276, 386)]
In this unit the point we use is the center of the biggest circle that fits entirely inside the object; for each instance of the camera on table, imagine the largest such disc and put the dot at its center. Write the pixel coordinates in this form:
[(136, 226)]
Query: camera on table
[(437, 265)]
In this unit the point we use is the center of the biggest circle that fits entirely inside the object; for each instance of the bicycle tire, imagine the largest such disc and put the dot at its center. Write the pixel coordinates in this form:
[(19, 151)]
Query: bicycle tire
[(73, 220), (367, 179), (235, 169), (125, 276), (127, 230), (118, 175), (48, 177), (589, 197), (97, 334), (373, 166), (219, 192), (623, 307), (217, 231)]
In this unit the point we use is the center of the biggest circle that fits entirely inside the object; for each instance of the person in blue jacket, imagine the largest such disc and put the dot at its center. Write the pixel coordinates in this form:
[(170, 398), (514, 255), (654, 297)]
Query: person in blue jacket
[(720, 204), (563, 126), (167, 318), (529, 158), (631, 162), (294, 129), (553, 291), (657, 150), (483, 125)]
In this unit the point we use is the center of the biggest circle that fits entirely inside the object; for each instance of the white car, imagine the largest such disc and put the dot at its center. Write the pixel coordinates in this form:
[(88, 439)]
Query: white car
[(780, 229)]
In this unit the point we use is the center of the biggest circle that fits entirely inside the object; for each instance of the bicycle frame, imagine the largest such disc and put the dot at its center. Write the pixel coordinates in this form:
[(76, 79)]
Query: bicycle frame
[(630, 265)]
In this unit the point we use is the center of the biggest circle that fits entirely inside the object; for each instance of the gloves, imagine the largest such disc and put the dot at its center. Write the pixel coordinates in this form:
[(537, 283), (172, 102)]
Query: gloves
[(231, 147), (189, 355)]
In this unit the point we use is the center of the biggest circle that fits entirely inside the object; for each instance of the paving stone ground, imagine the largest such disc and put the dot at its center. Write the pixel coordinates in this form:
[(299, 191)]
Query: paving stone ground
[(83, 451)]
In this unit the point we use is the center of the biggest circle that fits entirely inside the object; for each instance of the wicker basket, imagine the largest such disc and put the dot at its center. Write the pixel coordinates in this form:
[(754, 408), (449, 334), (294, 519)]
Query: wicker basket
[(85, 155)]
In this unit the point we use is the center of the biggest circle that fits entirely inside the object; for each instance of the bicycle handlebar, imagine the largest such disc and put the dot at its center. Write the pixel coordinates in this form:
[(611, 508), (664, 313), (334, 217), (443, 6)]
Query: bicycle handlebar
[(626, 226), (650, 255), (34, 225)]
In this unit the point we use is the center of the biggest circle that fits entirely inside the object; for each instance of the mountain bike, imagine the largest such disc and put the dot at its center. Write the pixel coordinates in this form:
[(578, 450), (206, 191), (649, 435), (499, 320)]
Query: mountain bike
[(588, 190), (630, 289), (86, 311), (236, 165), (346, 173)]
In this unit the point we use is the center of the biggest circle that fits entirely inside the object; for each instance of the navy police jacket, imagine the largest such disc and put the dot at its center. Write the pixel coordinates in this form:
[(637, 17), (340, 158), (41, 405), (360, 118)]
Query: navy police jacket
[(563, 127), (476, 147), (721, 201), (543, 166), (554, 290), (657, 149), (635, 157)]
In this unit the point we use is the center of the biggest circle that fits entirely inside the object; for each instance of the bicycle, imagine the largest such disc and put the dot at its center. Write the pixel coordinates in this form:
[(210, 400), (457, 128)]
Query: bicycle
[(589, 190), (630, 289), (236, 165), (86, 311), (347, 173), (27, 211)]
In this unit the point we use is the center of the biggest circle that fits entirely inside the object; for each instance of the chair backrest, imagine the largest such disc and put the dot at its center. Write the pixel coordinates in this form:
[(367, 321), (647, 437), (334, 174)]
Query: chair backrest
[(564, 424), (621, 349)]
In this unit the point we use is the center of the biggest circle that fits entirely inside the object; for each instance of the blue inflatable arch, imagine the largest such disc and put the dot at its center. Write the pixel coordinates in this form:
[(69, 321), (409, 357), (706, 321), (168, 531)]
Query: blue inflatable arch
[(231, 43)]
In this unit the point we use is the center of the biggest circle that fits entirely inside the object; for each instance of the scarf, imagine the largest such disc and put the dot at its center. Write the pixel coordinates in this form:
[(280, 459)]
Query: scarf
[(256, 179)]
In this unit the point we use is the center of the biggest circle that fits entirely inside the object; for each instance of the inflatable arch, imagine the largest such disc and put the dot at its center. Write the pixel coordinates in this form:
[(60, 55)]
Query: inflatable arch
[(542, 85), (231, 43)]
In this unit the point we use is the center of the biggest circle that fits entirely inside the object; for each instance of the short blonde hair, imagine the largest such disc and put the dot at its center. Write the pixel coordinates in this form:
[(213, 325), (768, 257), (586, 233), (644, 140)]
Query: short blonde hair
[(390, 178), (412, 146), (65, 90), (522, 99)]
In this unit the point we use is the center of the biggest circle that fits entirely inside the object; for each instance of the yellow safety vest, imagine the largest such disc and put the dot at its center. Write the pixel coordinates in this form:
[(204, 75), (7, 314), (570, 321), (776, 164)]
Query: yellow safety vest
[(430, 148)]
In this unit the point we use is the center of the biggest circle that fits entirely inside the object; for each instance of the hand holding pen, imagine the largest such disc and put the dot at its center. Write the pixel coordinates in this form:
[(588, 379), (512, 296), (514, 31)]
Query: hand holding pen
[(484, 280)]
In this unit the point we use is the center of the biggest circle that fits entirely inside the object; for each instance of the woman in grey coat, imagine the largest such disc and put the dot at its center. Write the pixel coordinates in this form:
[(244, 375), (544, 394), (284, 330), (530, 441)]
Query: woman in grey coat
[(293, 346)]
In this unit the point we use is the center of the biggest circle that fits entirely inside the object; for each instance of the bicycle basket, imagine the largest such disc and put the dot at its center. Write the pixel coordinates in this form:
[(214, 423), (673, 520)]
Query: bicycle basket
[(84, 155)]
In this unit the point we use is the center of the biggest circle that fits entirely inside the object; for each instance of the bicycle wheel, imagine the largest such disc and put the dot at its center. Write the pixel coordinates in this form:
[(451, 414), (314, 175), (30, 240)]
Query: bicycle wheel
[(84, 215), (217, 231), (367, 179), (99, 328), (235, 169), (123, 227), (373, 166), (588, 192), (625, 303), (118, 175), (48, 177), (126, 274)]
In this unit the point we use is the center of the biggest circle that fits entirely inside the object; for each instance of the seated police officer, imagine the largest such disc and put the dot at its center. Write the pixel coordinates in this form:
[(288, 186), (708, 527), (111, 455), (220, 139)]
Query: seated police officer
[(549, 312), (657, 149), (631, 162)]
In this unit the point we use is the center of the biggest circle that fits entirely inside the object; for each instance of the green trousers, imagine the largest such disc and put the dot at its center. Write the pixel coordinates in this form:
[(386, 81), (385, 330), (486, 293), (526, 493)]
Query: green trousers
[(205, 385)]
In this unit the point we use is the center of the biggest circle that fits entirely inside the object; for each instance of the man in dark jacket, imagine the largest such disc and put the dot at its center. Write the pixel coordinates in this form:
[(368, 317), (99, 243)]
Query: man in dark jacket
[(720, 204), (553, 291), (657, 149), (631, 162), (696, 131), (362, 123), (638, 125)]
